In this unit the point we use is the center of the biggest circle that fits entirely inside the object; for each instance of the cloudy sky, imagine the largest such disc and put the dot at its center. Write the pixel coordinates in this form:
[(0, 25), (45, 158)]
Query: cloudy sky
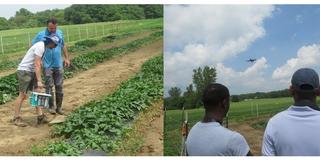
[(282, 38), (8, 11)]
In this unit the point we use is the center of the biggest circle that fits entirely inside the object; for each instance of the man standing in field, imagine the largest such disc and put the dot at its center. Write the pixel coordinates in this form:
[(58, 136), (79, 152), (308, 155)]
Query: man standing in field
[(53, 67), (29, 76), (209, 137), (295, 131)]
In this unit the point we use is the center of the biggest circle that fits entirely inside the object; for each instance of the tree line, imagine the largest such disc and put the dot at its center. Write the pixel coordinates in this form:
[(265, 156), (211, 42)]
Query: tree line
[(80, 14), (260, 95), (191, 97)]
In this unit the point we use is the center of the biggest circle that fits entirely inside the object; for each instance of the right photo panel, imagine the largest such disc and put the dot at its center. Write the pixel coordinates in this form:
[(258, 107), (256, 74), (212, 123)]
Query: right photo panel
[(241, 80)]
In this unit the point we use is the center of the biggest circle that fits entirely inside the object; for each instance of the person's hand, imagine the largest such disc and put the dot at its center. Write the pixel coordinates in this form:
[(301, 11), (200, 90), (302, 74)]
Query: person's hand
[(67, 63), (40, 85), (38, 89)]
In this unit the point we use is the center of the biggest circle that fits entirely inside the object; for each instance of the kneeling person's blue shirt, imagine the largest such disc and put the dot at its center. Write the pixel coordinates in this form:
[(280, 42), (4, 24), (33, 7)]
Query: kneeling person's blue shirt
[(52, 57)]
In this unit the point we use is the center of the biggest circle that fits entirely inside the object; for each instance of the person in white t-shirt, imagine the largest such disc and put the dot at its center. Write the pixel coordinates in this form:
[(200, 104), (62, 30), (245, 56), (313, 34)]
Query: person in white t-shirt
[(296, 131), (29, 76), (209, 137)]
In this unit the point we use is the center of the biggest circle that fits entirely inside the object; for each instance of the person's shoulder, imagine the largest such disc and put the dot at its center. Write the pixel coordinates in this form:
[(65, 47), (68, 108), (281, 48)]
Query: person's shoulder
[(238, 145), (59, 31), (278, 117), (196, 125), (235, 135), (43, 32), (39, 44)]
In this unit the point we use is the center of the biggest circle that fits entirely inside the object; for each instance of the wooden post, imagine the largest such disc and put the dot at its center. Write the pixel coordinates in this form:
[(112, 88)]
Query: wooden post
[(68, 34), (103, 29), (257, 108), (79, 33), (87, 32), (95, 28), (2, 45), (29, 39)]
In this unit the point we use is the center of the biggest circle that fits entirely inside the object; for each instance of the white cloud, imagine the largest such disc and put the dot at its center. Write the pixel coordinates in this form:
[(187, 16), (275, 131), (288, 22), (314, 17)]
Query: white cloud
[(199, 35), (307, 56), (243, 81)]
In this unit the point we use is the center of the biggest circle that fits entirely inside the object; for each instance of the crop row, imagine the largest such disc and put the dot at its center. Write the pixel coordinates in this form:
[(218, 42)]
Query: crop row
[(82, 45), (9, 84), (99, 125)]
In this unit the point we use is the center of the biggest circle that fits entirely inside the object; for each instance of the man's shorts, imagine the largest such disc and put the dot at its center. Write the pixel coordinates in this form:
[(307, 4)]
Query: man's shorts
[(27, 81)]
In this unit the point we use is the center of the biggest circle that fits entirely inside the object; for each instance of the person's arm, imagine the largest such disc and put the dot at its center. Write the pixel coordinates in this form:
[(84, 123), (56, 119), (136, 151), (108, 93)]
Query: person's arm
[(64, 50), (239, 146), (66, 56), (38, 71)]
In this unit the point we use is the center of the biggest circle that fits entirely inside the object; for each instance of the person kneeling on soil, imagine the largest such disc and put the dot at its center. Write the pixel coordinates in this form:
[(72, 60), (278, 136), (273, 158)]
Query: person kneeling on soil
[(29, 76), (209, 137)]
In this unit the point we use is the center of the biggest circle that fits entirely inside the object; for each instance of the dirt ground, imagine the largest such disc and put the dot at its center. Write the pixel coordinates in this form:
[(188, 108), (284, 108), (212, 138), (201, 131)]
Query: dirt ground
[(85, 86), (146, 136), (116, 43), (253, 136), (152, 132)]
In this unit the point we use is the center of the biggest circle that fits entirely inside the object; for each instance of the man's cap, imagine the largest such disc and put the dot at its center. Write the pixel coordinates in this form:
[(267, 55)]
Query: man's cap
[(305, 79), (55, 39)]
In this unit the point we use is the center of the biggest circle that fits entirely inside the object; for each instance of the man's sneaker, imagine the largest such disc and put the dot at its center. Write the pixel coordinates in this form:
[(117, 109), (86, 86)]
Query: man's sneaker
[(42, 119), (18, 122)]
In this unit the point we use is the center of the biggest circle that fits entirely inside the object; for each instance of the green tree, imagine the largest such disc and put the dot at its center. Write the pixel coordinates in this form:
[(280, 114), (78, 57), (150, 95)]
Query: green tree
[(175, 99), (4, 24), (80, 14), (152, 11), (190, 97), (235, 98), (130, 12), (201, 78), (24, 12)]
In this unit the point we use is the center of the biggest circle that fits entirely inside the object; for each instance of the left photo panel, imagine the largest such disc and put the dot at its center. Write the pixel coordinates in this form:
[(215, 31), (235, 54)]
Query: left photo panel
[(81, 80)]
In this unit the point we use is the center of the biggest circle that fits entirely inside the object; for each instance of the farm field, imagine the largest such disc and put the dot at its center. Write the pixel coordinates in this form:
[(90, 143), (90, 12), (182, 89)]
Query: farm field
[(247, 117), (14, 41), (103, 72), (8, 62), (9, 66), (9, 84)]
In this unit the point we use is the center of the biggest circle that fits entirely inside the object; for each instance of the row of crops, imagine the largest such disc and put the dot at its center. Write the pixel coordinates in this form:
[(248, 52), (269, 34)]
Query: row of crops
[(12, 41), (9, 84), (82, 45), (99, 125)]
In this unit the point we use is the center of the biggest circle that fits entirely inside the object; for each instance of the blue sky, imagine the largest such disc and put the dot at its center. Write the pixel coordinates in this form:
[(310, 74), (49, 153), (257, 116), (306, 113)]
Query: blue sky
[(289, 28), (282, 38)]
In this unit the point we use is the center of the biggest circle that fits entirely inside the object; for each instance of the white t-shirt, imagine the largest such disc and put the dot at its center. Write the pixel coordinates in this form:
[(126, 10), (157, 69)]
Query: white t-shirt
[(293, 132), (212, 139), (27, 63)]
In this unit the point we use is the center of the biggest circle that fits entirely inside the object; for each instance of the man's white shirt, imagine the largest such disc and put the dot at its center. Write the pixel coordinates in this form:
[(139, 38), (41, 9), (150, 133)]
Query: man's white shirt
[(27, 63), (293, 132), (212, 139)]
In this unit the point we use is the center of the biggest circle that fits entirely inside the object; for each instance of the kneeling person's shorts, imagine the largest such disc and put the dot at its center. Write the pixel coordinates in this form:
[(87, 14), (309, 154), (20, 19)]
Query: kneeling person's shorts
[(27, 81)]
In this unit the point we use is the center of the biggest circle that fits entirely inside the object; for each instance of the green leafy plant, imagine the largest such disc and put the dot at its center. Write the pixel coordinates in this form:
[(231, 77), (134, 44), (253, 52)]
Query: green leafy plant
[(98, 125)]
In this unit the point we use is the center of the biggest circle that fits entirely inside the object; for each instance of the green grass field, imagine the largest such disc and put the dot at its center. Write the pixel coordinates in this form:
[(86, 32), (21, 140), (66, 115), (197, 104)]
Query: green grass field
[(238, 112), (12, 41)]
